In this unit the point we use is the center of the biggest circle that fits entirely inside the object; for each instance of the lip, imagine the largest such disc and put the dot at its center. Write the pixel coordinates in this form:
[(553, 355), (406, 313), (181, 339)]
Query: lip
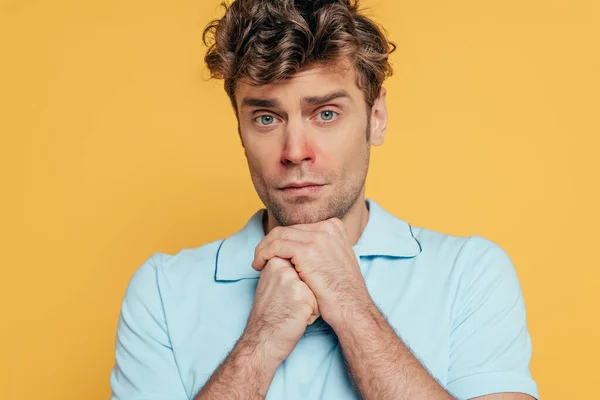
[(302, 188), (300, 185)]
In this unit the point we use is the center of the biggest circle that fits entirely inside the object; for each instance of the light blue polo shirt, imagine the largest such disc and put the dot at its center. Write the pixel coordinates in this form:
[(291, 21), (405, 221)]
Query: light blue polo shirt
[(455, 301)]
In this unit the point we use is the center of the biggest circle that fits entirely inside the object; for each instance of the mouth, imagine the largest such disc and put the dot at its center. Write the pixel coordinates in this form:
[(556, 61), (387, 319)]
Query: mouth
[(302, 188)]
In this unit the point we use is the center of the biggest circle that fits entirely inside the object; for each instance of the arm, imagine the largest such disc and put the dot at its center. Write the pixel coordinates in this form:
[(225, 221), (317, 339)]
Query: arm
[(490, 347), (282, 307), (146, 367), (245, 374), (145, 363), (381, 366), (505, 396)]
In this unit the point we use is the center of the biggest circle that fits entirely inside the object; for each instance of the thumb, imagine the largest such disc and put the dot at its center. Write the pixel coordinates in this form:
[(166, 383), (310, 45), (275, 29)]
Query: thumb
[(315, 314)]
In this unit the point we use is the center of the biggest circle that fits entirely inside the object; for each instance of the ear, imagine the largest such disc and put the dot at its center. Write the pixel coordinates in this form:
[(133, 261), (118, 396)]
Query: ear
[(379, 119)]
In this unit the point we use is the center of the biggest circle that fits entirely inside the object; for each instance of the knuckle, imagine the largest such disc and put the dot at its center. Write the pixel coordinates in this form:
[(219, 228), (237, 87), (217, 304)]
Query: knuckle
[(257, 250), (274, 264), (310, 252), (298, 292), (276, 231), (285, 271), (319, 237), (338, 223), (279, 263), (331, 226)]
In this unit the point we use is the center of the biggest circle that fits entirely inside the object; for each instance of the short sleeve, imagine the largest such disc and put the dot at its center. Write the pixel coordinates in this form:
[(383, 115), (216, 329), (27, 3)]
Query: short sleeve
[(490, 346), (145, 365)]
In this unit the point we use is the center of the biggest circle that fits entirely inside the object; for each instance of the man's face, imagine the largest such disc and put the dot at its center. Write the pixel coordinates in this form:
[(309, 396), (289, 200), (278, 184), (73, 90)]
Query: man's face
[(307, 141)]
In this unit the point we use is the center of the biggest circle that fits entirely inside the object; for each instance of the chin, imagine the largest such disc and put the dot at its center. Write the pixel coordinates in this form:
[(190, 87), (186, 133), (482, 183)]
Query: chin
[(300, 212), (297, 219)]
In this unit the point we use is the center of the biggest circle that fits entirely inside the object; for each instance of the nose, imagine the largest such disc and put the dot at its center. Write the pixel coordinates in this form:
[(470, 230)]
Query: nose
[(297, 148)]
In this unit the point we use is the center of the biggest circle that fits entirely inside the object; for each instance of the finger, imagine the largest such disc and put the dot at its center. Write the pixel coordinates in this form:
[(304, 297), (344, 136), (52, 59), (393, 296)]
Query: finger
[(316, 313), (278, 262), (287, 249), (333, 226), (314, 227), (294, 232), (338, 226), (283, 234)]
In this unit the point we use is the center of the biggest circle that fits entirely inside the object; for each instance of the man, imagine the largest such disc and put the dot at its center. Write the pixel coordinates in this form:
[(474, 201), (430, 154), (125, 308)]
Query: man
[(323, 294)]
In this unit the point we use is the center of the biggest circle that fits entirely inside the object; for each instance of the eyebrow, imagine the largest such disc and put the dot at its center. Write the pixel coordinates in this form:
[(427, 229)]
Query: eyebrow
[(307, 101), (316, 100), (260, 103)]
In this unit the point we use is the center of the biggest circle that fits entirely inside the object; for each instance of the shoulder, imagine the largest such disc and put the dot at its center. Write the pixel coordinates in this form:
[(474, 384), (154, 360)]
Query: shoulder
[(197, 259), (162, 270), (463, 257), (476, 272), (436, 240)]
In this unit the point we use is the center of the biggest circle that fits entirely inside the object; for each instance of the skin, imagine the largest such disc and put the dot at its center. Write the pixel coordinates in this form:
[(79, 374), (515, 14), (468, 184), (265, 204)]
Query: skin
[(324, 143), (307, 264)]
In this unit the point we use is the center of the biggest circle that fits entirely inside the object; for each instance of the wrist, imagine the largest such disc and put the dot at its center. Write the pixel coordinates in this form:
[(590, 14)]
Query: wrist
[(353, 316), (255, 349), (245, 373)]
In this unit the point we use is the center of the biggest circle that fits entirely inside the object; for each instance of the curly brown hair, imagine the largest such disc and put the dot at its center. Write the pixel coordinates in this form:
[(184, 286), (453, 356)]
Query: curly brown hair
[(266, 41)]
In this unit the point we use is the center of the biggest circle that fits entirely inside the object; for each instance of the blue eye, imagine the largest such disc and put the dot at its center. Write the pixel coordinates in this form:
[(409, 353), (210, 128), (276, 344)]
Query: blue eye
[(266, 119), (327, 115)]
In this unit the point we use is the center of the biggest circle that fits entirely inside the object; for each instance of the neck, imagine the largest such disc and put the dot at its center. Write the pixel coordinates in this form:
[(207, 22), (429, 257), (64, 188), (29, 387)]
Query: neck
[(354, 221)]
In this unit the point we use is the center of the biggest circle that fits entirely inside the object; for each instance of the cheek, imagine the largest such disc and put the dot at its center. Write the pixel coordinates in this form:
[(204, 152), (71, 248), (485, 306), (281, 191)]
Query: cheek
[(344, 155), (262, 160)]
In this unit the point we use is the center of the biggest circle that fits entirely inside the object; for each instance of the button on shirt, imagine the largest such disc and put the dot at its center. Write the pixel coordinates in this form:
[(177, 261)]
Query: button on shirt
[(454, 301)]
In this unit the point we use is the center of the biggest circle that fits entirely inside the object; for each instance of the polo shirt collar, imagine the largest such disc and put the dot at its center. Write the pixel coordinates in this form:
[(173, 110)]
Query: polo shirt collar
[(384, 236)]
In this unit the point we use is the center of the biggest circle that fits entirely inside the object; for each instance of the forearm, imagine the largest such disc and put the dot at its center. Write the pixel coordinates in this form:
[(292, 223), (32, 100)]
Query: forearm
[(380, 364), (245, 374)]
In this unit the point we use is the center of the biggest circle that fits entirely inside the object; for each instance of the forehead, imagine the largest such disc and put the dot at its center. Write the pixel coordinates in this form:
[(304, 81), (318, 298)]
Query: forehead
[(317, 80)]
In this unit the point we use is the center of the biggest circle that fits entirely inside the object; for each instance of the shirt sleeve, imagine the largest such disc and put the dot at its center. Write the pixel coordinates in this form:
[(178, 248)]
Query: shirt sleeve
[(490, 347), (145, 365)]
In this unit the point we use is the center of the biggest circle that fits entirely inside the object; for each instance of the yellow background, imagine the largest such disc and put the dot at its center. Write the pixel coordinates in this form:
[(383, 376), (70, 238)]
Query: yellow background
[(114, 146)]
